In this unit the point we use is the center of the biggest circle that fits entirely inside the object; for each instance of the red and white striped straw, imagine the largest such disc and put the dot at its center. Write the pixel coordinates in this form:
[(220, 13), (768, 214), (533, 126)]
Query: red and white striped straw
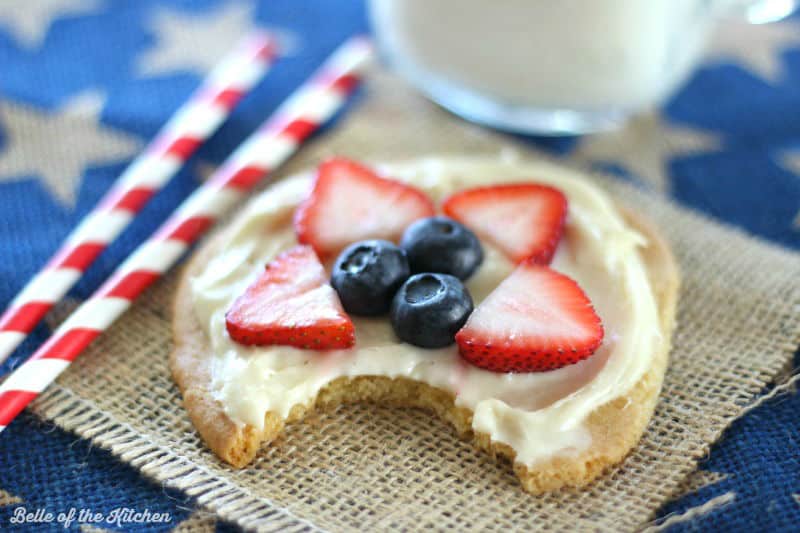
[(277, 139), (194, 122)]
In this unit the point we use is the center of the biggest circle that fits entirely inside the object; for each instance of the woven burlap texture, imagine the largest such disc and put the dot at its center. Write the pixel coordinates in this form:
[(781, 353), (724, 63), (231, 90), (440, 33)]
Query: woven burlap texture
[(370, 467)]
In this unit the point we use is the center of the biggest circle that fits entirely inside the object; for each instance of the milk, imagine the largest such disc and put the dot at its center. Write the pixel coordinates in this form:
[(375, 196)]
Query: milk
[(582, 56)]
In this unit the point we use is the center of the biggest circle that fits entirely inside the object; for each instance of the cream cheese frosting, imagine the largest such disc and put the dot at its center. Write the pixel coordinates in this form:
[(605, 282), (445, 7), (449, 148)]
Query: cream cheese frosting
[(539, 415)]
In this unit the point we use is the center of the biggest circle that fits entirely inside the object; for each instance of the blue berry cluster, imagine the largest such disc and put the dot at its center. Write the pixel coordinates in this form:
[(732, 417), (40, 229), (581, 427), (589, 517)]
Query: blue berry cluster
[(419, 282)]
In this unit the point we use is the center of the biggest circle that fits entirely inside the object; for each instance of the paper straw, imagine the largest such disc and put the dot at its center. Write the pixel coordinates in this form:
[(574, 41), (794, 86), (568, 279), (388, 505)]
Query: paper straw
[(278, 138), (193, 123)]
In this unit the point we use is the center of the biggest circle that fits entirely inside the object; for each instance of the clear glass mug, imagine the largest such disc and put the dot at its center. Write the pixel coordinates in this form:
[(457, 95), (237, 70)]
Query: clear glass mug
[(551, 66)]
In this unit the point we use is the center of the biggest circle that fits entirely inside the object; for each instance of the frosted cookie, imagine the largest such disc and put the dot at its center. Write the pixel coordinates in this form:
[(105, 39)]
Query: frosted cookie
[(535, 314)]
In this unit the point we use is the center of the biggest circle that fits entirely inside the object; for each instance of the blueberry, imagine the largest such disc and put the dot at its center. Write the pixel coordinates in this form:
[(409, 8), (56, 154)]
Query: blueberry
[(367, 274), (440, 244), (429, 309)]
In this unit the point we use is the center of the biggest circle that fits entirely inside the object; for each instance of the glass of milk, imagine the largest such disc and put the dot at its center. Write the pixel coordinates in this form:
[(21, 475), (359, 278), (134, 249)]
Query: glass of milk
[(551, 66)]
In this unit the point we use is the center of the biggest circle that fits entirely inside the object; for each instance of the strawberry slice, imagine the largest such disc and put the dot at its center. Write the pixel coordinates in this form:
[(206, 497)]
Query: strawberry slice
[(524, 220), (351, 203), (536, 320), (291, 304)]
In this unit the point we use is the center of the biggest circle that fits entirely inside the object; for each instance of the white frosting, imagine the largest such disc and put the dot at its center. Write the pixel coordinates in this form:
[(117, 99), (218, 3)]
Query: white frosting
[(538, 414)]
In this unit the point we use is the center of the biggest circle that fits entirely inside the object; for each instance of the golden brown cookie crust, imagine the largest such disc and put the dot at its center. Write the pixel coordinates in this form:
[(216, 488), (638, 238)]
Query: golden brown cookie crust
[(616, 426)]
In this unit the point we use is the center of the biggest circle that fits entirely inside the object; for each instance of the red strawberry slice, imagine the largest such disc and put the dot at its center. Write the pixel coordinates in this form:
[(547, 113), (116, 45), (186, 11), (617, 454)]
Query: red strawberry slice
[(536, 320), (351, 203), (291, 304), (524, 220)]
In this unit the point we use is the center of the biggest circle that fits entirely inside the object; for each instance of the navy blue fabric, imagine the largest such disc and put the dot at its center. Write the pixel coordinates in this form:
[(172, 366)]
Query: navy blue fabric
[(742, 184)]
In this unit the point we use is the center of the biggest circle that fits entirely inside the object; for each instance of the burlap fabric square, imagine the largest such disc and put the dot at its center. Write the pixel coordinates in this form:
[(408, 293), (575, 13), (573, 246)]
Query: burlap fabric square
[(364, 467)]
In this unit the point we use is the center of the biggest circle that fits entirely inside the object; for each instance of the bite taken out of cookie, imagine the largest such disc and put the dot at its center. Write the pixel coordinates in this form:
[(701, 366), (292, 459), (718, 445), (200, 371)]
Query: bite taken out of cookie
[(514, 299)]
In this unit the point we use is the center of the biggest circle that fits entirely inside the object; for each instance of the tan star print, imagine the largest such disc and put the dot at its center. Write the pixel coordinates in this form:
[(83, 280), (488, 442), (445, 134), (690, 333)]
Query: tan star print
[(195, 42), (29, 22), (644, 147), (6, 498), (754, 47), (57, 146)]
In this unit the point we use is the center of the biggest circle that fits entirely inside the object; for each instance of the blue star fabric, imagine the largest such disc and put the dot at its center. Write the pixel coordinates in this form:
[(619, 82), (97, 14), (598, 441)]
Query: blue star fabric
[(751, 181)]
